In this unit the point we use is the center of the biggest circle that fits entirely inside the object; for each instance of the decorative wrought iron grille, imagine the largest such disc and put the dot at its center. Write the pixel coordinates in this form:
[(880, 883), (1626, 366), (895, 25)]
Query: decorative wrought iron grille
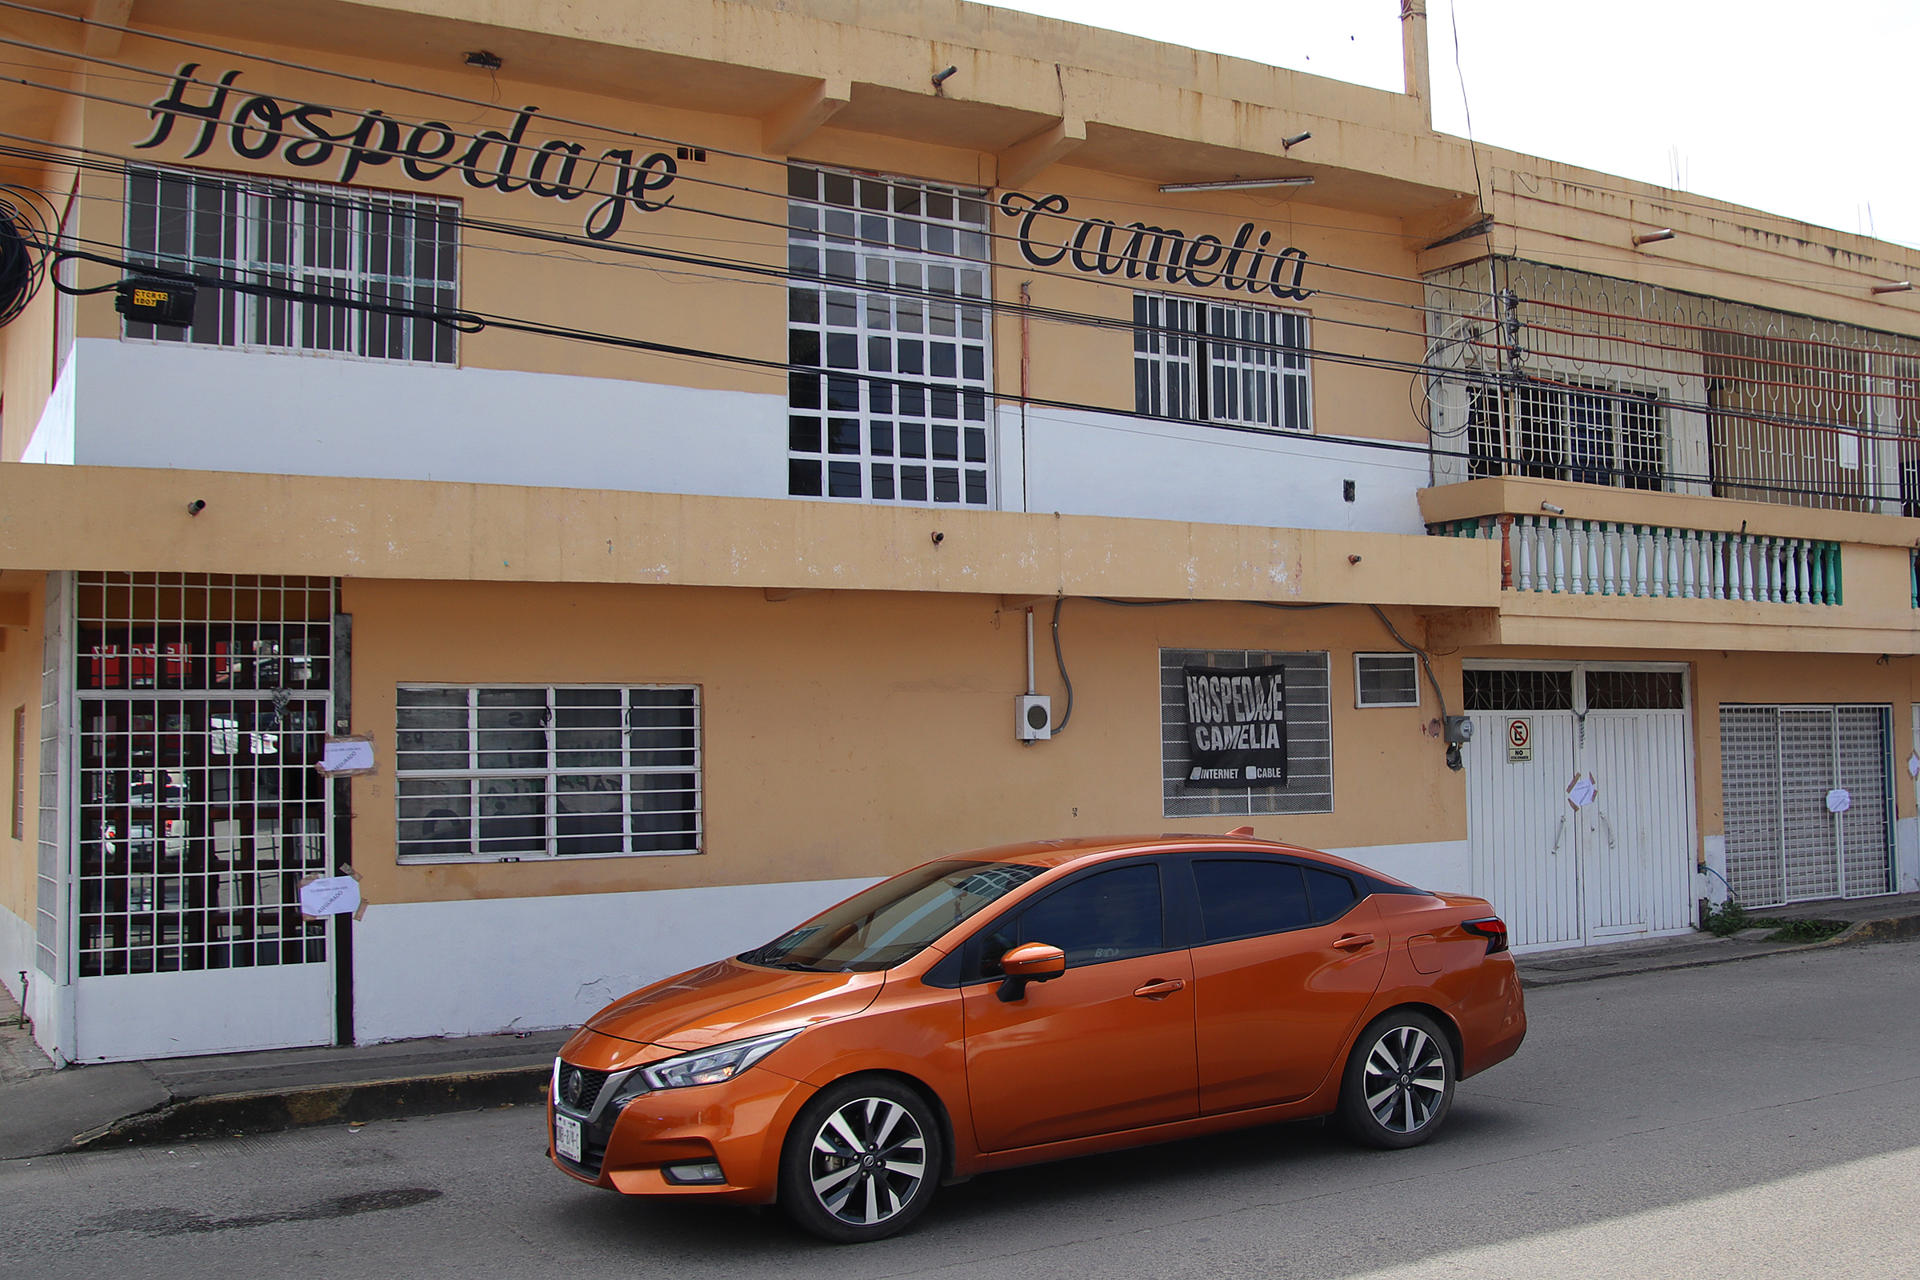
[(1751, 404)]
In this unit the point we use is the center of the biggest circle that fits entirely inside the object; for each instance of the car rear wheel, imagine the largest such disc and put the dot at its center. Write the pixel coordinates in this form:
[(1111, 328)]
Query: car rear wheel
[(1399, 1081), (861, 1161)]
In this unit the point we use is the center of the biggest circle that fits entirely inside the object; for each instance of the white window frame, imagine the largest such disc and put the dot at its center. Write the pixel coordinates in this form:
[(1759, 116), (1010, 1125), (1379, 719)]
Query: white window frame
[(1222, 362), (375, 247), (1412, 662), (683, 759), (888, 273)]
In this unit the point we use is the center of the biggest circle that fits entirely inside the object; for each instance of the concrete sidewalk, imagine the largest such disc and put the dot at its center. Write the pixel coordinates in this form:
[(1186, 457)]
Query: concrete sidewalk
[(45, 1112)]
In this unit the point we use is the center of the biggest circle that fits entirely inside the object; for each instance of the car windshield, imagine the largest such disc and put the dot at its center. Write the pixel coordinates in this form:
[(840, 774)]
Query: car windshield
[(894, 919)]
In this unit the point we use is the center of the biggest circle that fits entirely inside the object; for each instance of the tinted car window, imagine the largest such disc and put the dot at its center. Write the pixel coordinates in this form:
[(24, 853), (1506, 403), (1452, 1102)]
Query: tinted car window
[(1109, 915), (1332, 894), (892, 920), (1240, 899)]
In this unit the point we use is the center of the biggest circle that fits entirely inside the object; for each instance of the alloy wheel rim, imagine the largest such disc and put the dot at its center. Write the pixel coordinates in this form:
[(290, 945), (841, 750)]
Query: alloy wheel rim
[(1405, 1079), (868, 1159)]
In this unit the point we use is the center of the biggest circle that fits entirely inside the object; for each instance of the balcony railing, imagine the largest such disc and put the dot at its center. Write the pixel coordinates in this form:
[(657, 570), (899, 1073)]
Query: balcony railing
[(1615, 558)]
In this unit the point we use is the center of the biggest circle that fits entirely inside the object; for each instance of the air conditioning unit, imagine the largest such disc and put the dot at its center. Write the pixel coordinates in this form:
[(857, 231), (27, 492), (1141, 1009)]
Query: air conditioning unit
[(1033, 717)]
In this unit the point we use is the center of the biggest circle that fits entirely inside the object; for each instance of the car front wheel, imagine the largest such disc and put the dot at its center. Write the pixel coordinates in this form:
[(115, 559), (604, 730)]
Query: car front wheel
[(861, 1161), (1399, 1081)]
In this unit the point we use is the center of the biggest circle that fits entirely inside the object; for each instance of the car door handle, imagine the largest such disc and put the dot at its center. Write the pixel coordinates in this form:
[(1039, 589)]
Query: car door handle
[(1353, 941), (1160, 988)]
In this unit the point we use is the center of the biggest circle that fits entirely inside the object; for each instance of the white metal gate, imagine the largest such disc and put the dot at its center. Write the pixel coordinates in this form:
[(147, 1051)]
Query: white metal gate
[(1808, 798), (1565, 867), (200, 708)]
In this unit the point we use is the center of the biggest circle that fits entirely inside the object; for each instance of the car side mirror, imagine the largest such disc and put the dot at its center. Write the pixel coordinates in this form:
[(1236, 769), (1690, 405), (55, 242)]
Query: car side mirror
[(1029, 962)]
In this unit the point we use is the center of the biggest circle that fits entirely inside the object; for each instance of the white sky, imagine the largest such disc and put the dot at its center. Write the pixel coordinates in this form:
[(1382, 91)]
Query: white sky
[(1803, 109)]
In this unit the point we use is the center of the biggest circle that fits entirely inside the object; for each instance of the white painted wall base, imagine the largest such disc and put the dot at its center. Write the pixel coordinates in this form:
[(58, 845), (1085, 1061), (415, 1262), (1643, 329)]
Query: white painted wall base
[(1906, 855), (1439, 866), (48, 1006), (523, 964), (1712, 882)]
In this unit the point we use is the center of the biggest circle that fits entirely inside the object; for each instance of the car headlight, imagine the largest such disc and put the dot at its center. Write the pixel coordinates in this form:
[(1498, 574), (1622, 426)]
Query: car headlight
[(711, 1066)]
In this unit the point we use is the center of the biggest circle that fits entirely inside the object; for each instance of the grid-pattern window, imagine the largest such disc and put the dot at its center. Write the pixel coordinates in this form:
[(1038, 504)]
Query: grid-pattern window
[(368, 248), (1589, 434), (1386, 680), (1210, 362), (203, 702), (510, 772), (887, 299), (1309, 738)]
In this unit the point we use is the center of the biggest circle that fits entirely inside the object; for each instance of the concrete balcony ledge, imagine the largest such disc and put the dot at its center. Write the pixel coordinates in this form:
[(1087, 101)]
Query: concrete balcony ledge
[(138, 520), (1496, 496)]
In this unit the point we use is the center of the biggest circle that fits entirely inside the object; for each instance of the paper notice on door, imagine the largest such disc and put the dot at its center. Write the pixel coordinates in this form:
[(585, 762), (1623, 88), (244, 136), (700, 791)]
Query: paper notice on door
[(346, 757), (329, 896)]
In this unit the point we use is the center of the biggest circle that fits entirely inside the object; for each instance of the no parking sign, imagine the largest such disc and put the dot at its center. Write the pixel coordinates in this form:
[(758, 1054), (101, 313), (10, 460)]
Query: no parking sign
[(1519, 741)]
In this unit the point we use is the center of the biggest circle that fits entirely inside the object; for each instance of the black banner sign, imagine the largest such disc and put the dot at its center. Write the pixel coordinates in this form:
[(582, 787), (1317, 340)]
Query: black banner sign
[(307, 136), (1237, 726)]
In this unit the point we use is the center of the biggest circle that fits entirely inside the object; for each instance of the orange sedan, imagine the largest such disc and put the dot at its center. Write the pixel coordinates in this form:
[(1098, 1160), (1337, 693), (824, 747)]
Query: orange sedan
[(1033, 1002)]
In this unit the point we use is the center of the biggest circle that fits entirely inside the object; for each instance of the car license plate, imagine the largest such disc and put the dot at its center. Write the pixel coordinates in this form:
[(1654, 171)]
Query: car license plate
[(566, 1137)]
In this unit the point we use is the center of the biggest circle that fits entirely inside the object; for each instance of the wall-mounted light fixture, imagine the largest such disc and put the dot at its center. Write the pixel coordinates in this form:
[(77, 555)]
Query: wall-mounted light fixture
[(1897, 286), (483, 59), (1237, 184), (1653, 237), (1289, 143)]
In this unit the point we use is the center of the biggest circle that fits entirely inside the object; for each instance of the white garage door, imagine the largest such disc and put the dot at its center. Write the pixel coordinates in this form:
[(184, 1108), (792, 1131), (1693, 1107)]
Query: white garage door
[(1580, 801)]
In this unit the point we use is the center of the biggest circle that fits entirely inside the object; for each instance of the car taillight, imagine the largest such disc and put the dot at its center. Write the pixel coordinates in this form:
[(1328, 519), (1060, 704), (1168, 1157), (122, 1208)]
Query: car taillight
[(1492, 928)]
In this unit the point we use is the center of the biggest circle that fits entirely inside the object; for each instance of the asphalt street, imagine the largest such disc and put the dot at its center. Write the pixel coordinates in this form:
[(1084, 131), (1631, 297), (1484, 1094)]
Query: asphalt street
[(1753, 1119)]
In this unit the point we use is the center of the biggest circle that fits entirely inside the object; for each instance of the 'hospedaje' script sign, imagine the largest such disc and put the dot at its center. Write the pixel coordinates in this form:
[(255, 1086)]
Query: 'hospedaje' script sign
[(1137, 249), (1237, 726), (307, 136)]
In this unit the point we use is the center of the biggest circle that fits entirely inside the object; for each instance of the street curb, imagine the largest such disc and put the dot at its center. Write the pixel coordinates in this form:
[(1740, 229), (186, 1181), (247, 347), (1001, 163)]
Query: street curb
[(1890, 930), (270, 1111), (1886, 930)]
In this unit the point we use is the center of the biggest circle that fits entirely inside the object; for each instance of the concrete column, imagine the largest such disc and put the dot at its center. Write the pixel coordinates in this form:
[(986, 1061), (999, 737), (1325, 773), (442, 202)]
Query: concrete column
[(1413, 52)]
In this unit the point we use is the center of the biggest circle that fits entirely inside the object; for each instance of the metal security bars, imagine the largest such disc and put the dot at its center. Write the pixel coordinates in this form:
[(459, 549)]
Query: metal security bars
[(889, 282), (1590, 434), (1617, 558), (1525, 358), (511, 772), (1807, 792), (202, 703), (363, 246), (1240, 366)]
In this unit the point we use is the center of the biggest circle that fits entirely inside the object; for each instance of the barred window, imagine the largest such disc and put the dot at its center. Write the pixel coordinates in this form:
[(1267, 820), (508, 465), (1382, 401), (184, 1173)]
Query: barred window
[(511, 772), (1242, 366), (1309, 737), (1589, 434), (887, 298), (363, 247)]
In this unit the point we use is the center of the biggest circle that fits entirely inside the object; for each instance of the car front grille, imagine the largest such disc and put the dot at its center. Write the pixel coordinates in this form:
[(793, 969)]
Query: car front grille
[(579, 1087)]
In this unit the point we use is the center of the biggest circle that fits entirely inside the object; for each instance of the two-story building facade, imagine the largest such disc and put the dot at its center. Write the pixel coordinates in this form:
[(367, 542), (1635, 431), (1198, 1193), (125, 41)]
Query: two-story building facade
[(713, 460)]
